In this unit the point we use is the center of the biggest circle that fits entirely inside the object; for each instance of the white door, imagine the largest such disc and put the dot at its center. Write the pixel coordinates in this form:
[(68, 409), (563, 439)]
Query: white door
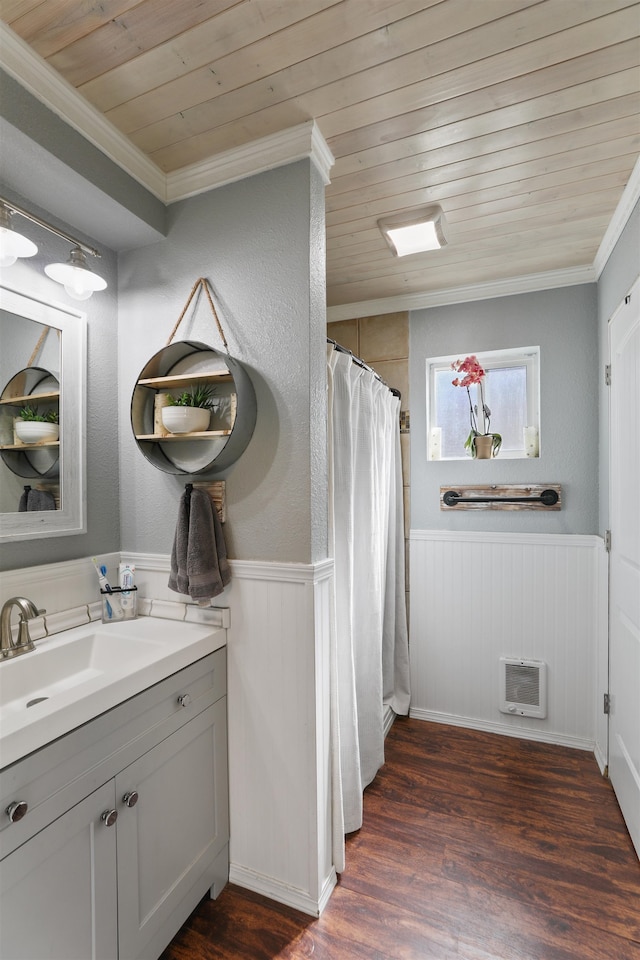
[(624, 615)]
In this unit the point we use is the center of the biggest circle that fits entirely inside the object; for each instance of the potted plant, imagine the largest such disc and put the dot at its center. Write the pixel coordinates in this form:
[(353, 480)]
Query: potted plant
[(482, 443), (34, 427), (189, 411)]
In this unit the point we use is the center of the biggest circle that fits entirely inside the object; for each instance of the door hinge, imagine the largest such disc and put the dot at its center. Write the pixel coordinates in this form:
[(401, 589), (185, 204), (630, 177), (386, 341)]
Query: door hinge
[(607, 540), (607, 704), (607, 374)]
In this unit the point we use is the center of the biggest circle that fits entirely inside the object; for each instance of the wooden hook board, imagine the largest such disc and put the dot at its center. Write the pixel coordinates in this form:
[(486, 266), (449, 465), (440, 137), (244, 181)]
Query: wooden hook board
[(511, 496), (217, 492)]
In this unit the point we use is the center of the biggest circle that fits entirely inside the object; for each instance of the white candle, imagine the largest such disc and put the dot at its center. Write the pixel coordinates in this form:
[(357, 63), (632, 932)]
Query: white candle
[(531, 441), (435, 443)]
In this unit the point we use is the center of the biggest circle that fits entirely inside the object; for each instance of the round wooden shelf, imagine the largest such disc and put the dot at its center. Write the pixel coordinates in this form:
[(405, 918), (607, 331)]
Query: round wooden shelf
[(33, 460), (172, 370)]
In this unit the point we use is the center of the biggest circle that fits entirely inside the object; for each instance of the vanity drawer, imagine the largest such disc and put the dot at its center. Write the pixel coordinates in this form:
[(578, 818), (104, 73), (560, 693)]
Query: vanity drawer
[(53, 779)]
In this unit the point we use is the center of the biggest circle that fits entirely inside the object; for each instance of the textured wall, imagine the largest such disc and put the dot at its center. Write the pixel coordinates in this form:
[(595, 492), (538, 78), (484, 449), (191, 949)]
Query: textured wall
[(563, 323), (260, 243)]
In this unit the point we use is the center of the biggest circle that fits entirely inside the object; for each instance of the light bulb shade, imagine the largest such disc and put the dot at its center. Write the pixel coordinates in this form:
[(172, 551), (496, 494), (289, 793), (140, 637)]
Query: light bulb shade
[(415, 232), (12, 244), (76, 277)]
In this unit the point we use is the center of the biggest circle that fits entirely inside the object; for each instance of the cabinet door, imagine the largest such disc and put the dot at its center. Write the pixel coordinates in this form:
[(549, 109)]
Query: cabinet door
[(58, 890), (168, 840)]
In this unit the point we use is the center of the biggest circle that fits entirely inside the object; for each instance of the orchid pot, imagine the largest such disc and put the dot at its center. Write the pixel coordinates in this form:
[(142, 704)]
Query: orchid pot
[(482, 443)]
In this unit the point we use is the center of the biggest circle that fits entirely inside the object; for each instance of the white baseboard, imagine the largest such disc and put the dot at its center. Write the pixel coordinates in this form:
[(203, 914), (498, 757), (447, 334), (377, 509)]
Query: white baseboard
[(504, 729), (387, 720), (274, 890), (601, 760)]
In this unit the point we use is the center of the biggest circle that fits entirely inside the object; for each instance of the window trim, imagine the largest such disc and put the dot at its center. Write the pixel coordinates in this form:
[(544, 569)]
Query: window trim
[(489, 359)]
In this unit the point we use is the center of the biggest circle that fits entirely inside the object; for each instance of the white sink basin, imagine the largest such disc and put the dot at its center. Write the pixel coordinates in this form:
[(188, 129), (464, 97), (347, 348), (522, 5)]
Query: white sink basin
[(73, 676)]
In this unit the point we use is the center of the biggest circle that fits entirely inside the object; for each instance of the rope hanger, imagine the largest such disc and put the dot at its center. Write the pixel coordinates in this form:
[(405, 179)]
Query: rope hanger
[(36, 349), (201, 283)]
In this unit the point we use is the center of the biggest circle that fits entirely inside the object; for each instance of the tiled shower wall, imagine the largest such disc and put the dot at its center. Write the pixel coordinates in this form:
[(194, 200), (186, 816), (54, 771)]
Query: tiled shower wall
[(383, 343)]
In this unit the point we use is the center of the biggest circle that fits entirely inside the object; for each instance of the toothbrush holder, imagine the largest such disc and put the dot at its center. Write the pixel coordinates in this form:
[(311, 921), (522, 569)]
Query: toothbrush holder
[(119, 604)]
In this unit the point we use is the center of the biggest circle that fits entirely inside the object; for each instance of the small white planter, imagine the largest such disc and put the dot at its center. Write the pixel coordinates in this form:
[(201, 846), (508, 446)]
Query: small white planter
[(33, 431), (185, 419)]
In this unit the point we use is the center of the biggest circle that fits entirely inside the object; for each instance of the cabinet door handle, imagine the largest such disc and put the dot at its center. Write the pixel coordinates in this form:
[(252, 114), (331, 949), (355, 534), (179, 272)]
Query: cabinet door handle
[(130, 799), (184, 699), (17, 810), (109, 817)]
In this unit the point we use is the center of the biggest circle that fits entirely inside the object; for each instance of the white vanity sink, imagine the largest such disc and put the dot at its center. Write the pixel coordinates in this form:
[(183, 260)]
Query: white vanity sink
[(73, 676)]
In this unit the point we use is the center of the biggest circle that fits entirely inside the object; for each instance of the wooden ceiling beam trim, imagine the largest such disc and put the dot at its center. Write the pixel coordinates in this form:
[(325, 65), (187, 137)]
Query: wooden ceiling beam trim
[(528, 137), (129, 35), (482, 163)]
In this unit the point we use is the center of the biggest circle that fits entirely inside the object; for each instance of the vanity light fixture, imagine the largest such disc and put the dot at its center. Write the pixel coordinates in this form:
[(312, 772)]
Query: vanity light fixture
[(78, 280), (12, 243), (415, 231), (75, 275)]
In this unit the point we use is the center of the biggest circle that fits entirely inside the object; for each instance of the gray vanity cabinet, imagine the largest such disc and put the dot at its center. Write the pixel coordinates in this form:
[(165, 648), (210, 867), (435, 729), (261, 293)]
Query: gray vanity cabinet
[(114, 874), (172, 835), (58, 895)]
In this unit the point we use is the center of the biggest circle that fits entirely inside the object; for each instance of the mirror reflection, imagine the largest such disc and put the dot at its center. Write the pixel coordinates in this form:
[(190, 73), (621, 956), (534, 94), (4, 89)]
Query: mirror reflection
[(30, 442)]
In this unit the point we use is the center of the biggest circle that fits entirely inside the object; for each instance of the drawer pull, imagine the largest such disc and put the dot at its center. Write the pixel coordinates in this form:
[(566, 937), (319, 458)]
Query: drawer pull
[(130, 799), (109, 817), (184, 699), (17, 810)]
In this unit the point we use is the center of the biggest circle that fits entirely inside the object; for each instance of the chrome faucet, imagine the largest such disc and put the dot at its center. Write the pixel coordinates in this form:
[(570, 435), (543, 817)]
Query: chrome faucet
[(24, 643)]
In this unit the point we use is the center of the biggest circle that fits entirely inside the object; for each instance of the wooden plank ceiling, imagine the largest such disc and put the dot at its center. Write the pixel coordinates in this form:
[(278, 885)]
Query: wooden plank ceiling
[(518, 117)]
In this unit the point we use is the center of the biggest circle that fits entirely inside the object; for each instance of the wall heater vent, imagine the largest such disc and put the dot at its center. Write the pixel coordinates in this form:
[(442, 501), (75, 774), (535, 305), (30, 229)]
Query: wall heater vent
[(523, 687)]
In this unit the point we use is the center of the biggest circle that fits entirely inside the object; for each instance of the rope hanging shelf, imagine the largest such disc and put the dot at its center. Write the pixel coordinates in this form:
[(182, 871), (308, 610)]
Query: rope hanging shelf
[(181, 366)]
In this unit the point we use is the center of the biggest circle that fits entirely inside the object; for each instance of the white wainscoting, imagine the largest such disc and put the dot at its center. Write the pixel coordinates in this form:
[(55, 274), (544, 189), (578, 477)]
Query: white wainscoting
[(478, 596), (278, 718)]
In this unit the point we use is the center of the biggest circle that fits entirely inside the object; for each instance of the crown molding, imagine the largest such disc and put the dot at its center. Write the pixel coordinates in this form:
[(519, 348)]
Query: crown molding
[(267, 153), (479, 291), (623, 211), (47, 86)]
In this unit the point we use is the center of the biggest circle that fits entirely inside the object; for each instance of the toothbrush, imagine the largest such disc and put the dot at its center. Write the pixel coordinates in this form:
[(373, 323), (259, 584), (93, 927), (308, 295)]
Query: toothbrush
[(104, 583)]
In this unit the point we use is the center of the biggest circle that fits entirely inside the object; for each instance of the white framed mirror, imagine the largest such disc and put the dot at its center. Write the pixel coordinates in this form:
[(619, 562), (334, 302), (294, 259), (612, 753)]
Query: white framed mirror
[(23, 319)]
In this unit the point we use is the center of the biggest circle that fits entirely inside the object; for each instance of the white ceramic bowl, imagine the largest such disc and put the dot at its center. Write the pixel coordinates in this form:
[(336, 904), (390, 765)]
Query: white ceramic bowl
[(185, 419), (33, 431)]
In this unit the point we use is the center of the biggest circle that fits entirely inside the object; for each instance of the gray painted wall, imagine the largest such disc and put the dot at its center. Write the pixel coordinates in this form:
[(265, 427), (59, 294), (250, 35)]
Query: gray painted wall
[(563, 323), (617, 278), (103, 516), (260, 243)]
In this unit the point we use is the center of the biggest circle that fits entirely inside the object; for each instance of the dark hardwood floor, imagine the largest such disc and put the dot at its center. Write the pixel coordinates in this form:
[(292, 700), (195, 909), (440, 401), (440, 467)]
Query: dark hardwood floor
[(474, 846)]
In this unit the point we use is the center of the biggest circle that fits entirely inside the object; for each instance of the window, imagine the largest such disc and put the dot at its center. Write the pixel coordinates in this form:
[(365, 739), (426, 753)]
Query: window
[(511, 392)]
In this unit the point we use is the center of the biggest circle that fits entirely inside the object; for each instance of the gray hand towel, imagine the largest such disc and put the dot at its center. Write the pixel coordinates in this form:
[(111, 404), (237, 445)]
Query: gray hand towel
[(24, 499), (199, 565), (178, 577), (41, 500)]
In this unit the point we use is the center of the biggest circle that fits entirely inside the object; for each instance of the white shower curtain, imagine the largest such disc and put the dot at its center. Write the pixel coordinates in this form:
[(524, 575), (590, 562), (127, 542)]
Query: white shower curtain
[(370, 657)]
